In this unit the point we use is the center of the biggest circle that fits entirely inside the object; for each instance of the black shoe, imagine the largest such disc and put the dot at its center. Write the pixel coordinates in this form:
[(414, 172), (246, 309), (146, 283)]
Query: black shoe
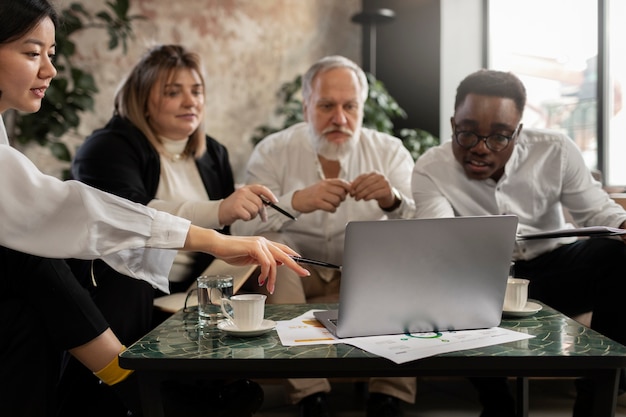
[(383, 405), (315, 405), (241, 398)]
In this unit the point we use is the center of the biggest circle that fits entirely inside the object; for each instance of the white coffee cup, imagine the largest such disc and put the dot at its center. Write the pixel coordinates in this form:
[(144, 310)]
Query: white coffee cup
[(248, 310), (516, 294)]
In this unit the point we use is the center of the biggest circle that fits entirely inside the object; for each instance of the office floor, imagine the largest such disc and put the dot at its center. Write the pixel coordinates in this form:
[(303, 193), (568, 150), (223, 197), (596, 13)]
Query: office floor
[(436, 397)]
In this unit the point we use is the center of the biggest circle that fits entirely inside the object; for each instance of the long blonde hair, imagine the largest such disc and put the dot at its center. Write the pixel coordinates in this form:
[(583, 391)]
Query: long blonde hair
[(131, 100)]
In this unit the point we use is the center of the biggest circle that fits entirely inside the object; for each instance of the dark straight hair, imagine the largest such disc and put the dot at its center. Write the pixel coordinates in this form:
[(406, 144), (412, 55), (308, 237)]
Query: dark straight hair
[(18, 17)]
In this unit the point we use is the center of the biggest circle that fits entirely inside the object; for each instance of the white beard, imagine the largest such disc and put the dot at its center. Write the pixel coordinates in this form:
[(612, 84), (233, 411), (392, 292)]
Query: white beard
[(329, 150)]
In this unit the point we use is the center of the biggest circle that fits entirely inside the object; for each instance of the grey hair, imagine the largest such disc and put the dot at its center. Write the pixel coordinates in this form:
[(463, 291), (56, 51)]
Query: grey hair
[(331, 62)]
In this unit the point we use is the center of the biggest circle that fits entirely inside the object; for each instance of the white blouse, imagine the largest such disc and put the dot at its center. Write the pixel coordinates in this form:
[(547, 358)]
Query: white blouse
[(44, 216)]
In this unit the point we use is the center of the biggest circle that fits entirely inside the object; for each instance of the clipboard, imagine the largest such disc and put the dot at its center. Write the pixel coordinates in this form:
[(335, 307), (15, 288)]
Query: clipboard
[(592, 231)]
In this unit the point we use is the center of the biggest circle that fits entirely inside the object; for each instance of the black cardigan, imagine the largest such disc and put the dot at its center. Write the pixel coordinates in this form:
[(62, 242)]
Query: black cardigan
[(119, 159)]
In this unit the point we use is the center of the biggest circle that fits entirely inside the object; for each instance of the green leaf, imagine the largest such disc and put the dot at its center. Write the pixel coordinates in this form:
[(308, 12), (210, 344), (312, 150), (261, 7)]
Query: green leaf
[(84, 102), (56, 92), (57, 127), (78, 8), (60, 151), (70, 115), (65, 47), (113, 42), (70, 24), (106, 17), (120, 7), (84, 81)]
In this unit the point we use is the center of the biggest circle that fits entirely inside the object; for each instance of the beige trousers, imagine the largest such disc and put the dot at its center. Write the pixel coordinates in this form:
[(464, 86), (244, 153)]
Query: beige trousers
[(402, 388)]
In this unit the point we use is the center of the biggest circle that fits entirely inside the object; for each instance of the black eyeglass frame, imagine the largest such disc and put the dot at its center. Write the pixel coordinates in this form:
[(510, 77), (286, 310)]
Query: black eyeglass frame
[(485, 139)]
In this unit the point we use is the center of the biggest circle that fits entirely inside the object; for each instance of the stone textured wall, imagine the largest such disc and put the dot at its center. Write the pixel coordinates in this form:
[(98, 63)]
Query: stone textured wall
[(249, 48)]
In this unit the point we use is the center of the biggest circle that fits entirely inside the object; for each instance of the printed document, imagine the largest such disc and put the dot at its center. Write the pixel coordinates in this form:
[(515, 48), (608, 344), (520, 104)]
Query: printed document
[(399, 348)]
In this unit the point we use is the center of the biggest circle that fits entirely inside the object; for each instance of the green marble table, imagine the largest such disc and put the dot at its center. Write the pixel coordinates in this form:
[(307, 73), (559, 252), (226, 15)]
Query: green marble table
[(180, 348)]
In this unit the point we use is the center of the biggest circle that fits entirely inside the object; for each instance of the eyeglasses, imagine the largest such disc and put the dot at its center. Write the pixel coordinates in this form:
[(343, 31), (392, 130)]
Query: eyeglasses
[(495, 143)]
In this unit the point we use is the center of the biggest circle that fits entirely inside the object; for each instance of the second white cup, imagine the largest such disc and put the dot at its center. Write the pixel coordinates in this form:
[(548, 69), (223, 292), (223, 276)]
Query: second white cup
[(248, 310), (516, 294)]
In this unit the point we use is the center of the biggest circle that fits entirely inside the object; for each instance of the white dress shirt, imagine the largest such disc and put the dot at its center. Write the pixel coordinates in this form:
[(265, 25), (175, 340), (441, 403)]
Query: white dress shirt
[(286, 162), (44, 216), (545, 173)]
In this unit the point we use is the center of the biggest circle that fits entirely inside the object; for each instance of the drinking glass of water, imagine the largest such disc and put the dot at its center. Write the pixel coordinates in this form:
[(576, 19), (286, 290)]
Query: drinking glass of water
[(211, 289)]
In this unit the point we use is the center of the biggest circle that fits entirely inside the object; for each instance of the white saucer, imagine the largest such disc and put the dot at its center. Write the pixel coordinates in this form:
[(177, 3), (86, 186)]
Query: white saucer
[(530, 309), (230, 328)]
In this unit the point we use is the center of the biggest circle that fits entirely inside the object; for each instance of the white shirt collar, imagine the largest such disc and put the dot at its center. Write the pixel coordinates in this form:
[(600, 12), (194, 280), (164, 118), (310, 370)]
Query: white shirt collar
[(4, 138)]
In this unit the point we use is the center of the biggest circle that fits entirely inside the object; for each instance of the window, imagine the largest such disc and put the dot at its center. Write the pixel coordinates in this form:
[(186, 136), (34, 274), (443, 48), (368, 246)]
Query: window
[(553, 47)]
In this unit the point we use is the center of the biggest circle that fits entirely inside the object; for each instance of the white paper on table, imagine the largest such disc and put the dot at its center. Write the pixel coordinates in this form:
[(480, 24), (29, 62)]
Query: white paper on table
[(403, 348), (399, 348), (304, 330)]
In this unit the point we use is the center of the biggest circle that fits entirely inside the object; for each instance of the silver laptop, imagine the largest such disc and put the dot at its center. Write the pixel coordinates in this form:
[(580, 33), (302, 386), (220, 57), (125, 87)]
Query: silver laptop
[(422, 275)]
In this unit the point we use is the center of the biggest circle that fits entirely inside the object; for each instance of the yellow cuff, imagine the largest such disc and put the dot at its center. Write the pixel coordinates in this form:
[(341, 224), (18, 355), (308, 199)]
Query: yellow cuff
[(112, 373)]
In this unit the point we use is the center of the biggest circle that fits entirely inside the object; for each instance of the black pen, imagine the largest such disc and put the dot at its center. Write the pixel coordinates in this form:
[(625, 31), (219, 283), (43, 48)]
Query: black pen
[(314, 262), (275, 207)]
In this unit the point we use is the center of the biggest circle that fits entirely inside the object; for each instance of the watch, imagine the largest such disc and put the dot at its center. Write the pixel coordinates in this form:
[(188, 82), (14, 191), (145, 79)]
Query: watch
[(397, 201)]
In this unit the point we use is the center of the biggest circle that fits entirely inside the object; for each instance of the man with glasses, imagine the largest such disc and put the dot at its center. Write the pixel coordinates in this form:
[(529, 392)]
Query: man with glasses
[(494, 166)]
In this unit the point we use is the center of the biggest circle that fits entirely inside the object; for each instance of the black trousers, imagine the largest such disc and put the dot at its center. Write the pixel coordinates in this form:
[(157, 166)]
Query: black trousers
[(587, 275), (43, 312), (127, 305)]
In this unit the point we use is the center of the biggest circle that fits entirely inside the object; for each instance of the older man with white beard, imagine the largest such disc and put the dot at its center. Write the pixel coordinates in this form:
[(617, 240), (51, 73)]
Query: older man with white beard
[(327, 172)]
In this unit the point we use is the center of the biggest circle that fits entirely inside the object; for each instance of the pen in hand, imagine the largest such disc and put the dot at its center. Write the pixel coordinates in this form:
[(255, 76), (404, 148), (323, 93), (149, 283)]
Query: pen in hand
[(275, 207), (314, 262)]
